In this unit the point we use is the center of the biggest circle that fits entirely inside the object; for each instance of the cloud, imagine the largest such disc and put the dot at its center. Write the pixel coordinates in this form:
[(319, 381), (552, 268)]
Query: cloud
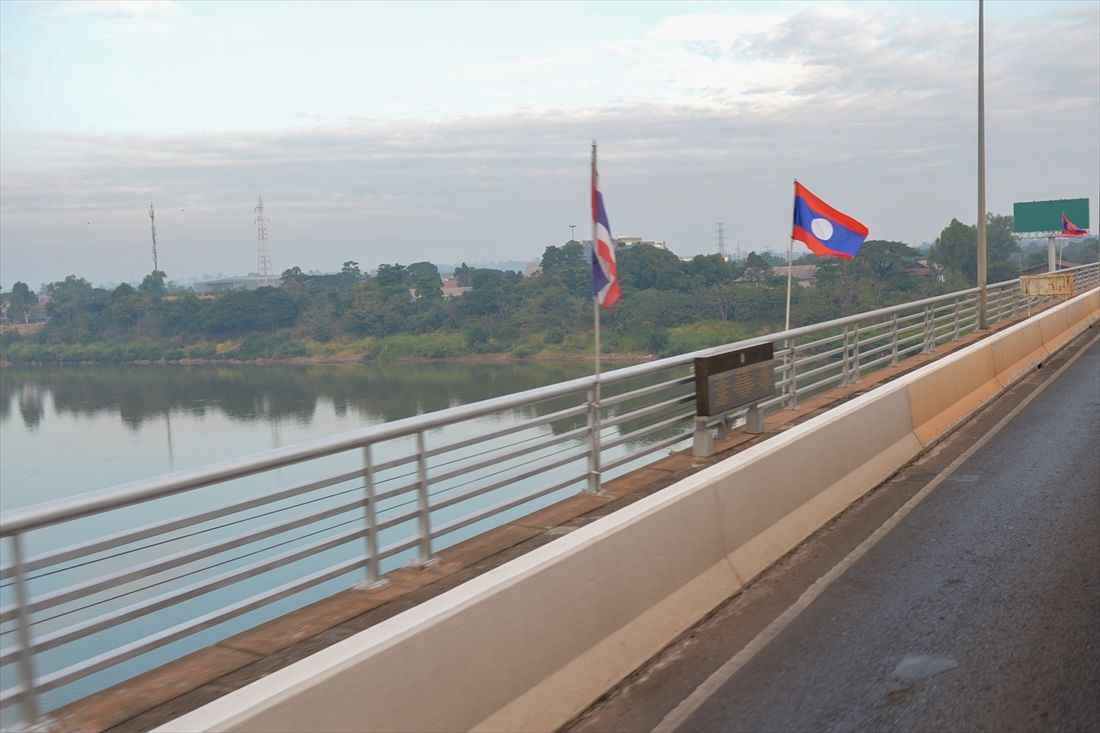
[(117, 17), (877, 116), (115, 8)]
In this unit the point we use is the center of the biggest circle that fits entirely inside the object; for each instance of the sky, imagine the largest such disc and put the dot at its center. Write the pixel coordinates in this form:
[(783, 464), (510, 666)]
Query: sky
[(450, 132)]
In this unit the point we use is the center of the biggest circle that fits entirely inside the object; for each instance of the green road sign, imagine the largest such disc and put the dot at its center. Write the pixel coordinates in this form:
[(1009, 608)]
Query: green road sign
[(1045, 217)]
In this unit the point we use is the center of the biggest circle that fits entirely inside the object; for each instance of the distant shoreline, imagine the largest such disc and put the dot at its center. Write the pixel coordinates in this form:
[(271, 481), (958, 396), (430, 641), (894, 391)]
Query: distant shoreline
[(500, 358)]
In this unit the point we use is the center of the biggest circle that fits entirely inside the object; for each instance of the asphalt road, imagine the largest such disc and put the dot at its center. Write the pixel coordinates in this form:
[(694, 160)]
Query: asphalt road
[(978, 611)]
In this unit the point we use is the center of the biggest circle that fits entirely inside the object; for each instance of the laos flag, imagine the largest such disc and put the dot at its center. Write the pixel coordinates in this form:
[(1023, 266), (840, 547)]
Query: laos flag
[(822, 228), (1069, 229), (605, 273)]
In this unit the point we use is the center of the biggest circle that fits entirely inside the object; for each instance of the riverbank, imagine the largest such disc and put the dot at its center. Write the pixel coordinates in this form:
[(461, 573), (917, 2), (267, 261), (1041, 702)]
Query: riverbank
[(499, 358)]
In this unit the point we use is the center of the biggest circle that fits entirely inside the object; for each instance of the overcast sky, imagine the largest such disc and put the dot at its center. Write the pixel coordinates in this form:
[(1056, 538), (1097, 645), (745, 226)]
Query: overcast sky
[(460, 132)]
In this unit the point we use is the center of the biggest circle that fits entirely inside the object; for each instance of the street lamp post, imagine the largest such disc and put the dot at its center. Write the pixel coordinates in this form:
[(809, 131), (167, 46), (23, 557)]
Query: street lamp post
[(983, 297)]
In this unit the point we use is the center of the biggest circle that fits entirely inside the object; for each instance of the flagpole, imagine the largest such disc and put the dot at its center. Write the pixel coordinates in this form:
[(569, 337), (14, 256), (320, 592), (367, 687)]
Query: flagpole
[(595, 298), (594, 414), (790, 258)]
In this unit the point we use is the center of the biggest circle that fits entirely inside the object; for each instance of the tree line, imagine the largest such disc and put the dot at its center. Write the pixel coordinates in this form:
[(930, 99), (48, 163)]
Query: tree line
[(668, 305)]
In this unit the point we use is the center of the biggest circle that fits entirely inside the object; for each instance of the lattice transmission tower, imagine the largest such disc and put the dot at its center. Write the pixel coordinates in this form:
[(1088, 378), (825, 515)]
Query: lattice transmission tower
[(153, 224), (721, 237), (263, 255)]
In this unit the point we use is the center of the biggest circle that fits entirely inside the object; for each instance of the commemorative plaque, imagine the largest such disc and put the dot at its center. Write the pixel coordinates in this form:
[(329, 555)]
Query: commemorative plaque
[(734, 379)]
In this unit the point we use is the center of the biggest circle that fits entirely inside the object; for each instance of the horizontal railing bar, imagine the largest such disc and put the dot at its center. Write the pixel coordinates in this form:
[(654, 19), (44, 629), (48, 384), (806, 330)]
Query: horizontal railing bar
[(818, 385), (820, 342), (664, 443), (512, 429), (457, 524), (152, 567), (811, 358), (10, 696), (831, 366), (399, 519), (392, 463), (875, 362), (606, 402), (152, 530), (153, 641), (647, 411), (391, 493), (655, 427), (143, 608), (522, 451), (540, 468)]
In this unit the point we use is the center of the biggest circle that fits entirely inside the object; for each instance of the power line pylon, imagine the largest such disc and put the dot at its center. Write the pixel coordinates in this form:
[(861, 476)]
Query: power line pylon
[(263, 255), (153, 224)]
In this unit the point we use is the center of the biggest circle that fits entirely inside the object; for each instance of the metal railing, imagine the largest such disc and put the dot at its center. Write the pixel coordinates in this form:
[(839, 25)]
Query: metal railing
[(91, 586)]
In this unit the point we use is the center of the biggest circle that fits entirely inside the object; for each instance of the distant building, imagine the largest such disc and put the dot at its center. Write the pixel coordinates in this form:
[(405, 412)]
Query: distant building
[(451, 288), (630, 242), (925, 268), (804, 275), (532, 268)]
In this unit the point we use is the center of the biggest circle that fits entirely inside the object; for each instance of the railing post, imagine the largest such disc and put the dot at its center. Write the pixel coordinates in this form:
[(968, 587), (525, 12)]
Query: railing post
[(926, 348), (855, 352), (792, 378), (894, 342), (955, 337), (423, 520), (593, 443), (844, 359), (371, 518), (25, 657)]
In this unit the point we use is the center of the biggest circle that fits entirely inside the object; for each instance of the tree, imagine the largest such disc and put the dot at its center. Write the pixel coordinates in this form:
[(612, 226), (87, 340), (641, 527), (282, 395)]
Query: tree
[(154, 283), (389, 276), (644, 267), (569, 266), (956, 249), (350, 271), (22, 298), (424, 277), (757, 269), (294, 274), (70, 289)]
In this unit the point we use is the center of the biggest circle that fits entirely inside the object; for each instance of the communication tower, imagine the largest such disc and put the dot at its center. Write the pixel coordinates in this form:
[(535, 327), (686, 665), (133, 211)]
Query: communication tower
[(153, 224), (263, 255)]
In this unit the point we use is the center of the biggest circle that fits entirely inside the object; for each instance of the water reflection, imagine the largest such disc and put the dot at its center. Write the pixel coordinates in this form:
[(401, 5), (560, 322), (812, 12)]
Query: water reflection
[(262, 393)]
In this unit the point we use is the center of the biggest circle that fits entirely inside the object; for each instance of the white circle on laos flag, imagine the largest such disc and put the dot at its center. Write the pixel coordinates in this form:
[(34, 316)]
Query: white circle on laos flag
[(822, 228)]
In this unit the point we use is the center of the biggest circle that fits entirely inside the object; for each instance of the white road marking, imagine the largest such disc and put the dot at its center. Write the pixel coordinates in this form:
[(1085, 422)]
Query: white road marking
[(706, 690)]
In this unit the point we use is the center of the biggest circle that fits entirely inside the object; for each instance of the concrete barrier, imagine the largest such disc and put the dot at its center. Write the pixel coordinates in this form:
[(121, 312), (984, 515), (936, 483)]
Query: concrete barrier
[(530, 644)]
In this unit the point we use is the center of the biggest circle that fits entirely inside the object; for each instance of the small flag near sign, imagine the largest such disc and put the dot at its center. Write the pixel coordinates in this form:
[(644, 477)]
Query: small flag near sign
[(1069, 229), (822, 228)]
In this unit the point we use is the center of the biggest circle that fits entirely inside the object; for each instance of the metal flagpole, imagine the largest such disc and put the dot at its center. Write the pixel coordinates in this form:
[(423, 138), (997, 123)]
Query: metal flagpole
[(595, 296), (790, 267), (594, 408), (790, 259)]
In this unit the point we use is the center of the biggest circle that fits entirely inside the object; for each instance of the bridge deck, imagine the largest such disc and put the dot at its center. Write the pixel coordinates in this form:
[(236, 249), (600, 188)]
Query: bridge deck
[(165, 693), (977, 610)]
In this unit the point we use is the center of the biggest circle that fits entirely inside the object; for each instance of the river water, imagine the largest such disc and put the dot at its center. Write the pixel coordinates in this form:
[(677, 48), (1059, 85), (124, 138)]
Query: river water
[(65, 431)]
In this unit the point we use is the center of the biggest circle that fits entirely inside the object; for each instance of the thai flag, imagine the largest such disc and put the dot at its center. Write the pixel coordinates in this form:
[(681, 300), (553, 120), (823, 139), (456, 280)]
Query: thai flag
[(822, 228), (605, 274), (1069, 229)]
